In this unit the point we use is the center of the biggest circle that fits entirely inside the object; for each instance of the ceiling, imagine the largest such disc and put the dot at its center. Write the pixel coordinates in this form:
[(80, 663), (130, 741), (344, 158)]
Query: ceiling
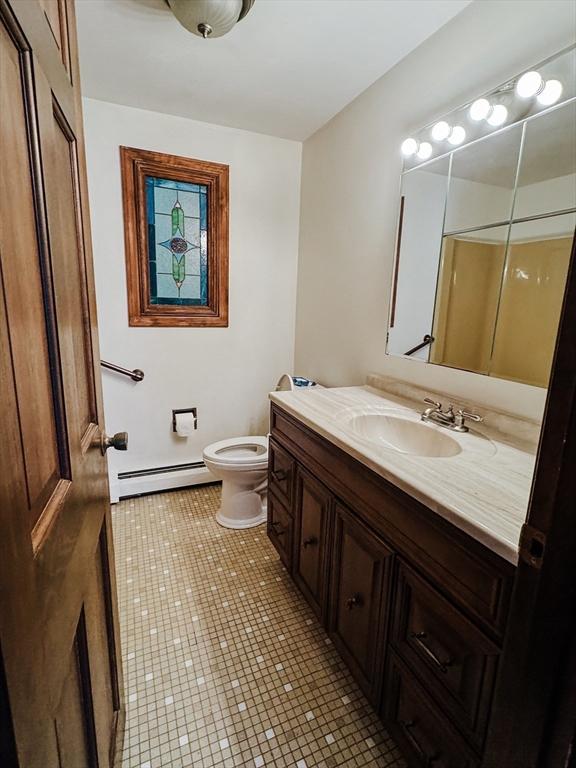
[(284, 70)]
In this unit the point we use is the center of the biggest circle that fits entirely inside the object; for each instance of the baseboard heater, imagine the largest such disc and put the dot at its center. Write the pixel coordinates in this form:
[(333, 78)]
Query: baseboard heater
[(138, 482), (161, 470)]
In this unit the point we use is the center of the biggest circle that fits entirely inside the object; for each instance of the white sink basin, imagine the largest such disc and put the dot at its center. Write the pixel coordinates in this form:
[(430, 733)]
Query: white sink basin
[(404, 435)]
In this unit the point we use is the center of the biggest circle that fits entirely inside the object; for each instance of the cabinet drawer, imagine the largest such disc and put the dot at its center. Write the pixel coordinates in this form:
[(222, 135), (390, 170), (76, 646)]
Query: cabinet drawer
[(360, 587), (453, 659), (424, 735), (312, 524), (280, 530), (280, 473)]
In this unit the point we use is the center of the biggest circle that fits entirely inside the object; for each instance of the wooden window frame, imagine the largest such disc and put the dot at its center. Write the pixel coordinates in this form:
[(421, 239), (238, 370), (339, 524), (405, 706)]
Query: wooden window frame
[(136, 164)]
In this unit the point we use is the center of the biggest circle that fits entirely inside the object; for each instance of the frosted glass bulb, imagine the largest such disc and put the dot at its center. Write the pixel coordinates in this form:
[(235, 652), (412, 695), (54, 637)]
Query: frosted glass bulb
[(529, 84), (457, 136), (550, 93), (441, 131), (498, 115), (409, 147), (479, 110), (424, 151)]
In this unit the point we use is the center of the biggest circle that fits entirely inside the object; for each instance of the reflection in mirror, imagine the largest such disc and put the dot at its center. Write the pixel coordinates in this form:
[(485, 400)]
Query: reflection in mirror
[(423, 197), (531, 299), (547, 178), (480, 275), (482, 178), (467, 301)]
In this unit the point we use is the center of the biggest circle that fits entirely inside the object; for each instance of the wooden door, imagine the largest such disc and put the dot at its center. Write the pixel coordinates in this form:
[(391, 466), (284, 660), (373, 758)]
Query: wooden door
[(313, 506), (533, 720), (59, 673), (359, 595)]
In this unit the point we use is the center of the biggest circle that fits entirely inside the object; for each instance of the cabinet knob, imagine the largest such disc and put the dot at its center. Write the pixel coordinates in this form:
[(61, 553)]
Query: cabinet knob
[(279, 474), (277, 528), (353, 601), (310, 542)]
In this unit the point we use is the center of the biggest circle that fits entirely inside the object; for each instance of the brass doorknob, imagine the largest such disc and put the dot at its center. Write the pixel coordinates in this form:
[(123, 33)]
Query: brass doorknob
[(119, 441)]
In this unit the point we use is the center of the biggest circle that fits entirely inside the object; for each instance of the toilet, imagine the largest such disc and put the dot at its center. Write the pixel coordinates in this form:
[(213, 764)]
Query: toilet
[(241, 463)]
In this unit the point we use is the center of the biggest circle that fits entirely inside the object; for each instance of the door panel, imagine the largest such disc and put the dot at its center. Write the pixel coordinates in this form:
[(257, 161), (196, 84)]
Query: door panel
[(58, 623), (361, 568), (313, 507), (24, 293)]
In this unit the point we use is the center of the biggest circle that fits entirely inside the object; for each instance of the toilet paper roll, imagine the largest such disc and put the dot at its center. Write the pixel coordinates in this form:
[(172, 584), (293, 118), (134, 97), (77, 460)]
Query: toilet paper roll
[(185, 424)]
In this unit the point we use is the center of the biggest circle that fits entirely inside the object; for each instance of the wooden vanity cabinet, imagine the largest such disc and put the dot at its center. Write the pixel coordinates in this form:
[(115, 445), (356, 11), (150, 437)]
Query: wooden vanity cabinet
[(416, 607)]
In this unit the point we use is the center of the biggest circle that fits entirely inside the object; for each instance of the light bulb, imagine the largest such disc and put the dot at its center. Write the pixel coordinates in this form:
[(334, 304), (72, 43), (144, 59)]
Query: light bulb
[(457, 136), (424, 151), (550, 93), (480, 109), (441, 131), (498, 115), (409, 147), (529, 84)]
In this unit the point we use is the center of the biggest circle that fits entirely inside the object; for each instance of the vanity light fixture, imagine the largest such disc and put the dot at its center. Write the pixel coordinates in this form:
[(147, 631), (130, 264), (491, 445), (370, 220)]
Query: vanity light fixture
[(409, 147), (457, 135), (497, 116), (479, 110), (529, 85), (441, 131), (550, 93), (424, 150)]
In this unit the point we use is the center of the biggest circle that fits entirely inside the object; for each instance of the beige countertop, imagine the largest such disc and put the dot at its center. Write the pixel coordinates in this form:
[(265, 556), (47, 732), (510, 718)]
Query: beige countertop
[(483, 490)]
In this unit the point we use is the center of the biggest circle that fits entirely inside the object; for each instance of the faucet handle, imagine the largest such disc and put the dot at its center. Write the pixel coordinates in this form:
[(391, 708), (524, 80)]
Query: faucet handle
[(471, 416), (433, 402)]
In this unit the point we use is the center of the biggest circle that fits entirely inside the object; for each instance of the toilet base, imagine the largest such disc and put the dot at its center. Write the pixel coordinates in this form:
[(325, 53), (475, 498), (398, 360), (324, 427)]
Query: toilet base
[(241, 507), (229, 522)]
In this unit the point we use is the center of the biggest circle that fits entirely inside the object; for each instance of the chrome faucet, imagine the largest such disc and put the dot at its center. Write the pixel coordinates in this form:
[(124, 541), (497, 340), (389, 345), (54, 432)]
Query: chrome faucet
[(449, 419)]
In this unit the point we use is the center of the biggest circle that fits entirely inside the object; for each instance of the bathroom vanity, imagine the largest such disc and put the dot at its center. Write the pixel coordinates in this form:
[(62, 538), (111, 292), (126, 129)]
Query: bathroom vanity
[(404, 544)]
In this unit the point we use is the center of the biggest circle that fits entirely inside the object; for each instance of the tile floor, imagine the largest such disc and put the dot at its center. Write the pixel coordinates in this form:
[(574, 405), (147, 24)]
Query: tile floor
[(224, 663)]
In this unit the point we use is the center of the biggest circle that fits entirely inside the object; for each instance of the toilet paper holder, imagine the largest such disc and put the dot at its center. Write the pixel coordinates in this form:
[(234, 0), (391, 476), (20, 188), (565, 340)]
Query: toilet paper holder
[(176, 411)]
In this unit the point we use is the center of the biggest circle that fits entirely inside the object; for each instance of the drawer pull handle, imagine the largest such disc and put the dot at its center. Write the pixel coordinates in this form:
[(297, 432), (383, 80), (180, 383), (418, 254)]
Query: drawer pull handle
[(420, 637), (310, 542), (277, 528), (407, 726), (279, 474), (355, 600)]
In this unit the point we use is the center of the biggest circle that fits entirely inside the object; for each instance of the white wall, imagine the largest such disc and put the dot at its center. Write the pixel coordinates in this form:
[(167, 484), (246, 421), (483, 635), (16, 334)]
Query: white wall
[(350, 184), (225, 372)]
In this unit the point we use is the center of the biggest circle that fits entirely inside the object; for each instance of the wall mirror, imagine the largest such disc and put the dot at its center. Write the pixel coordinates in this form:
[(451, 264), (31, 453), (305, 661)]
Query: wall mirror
[(486, 227)]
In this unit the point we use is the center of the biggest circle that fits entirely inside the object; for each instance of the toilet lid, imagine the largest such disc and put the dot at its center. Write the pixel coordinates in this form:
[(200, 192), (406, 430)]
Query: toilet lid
[(239, 450)]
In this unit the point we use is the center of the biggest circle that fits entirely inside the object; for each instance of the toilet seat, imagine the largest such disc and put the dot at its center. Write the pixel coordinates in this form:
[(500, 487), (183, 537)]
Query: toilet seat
[(242, 453)]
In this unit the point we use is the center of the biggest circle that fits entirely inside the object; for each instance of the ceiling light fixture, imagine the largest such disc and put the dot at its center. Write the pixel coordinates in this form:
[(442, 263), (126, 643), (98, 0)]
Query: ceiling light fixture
[(441, 131), (209, 18)]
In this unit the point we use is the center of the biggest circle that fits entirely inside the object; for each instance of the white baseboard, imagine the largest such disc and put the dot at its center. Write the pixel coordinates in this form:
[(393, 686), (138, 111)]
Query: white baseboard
[(121, 487)]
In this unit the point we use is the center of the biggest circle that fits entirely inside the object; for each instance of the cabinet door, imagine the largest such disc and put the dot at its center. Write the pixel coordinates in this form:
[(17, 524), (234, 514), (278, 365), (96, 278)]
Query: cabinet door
[(359, 599), (280, 530), (312, 513), (280, 472)]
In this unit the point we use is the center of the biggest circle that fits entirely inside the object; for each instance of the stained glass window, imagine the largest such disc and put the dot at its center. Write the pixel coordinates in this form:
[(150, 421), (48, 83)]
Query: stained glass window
[(177, 220), (176, 238)]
